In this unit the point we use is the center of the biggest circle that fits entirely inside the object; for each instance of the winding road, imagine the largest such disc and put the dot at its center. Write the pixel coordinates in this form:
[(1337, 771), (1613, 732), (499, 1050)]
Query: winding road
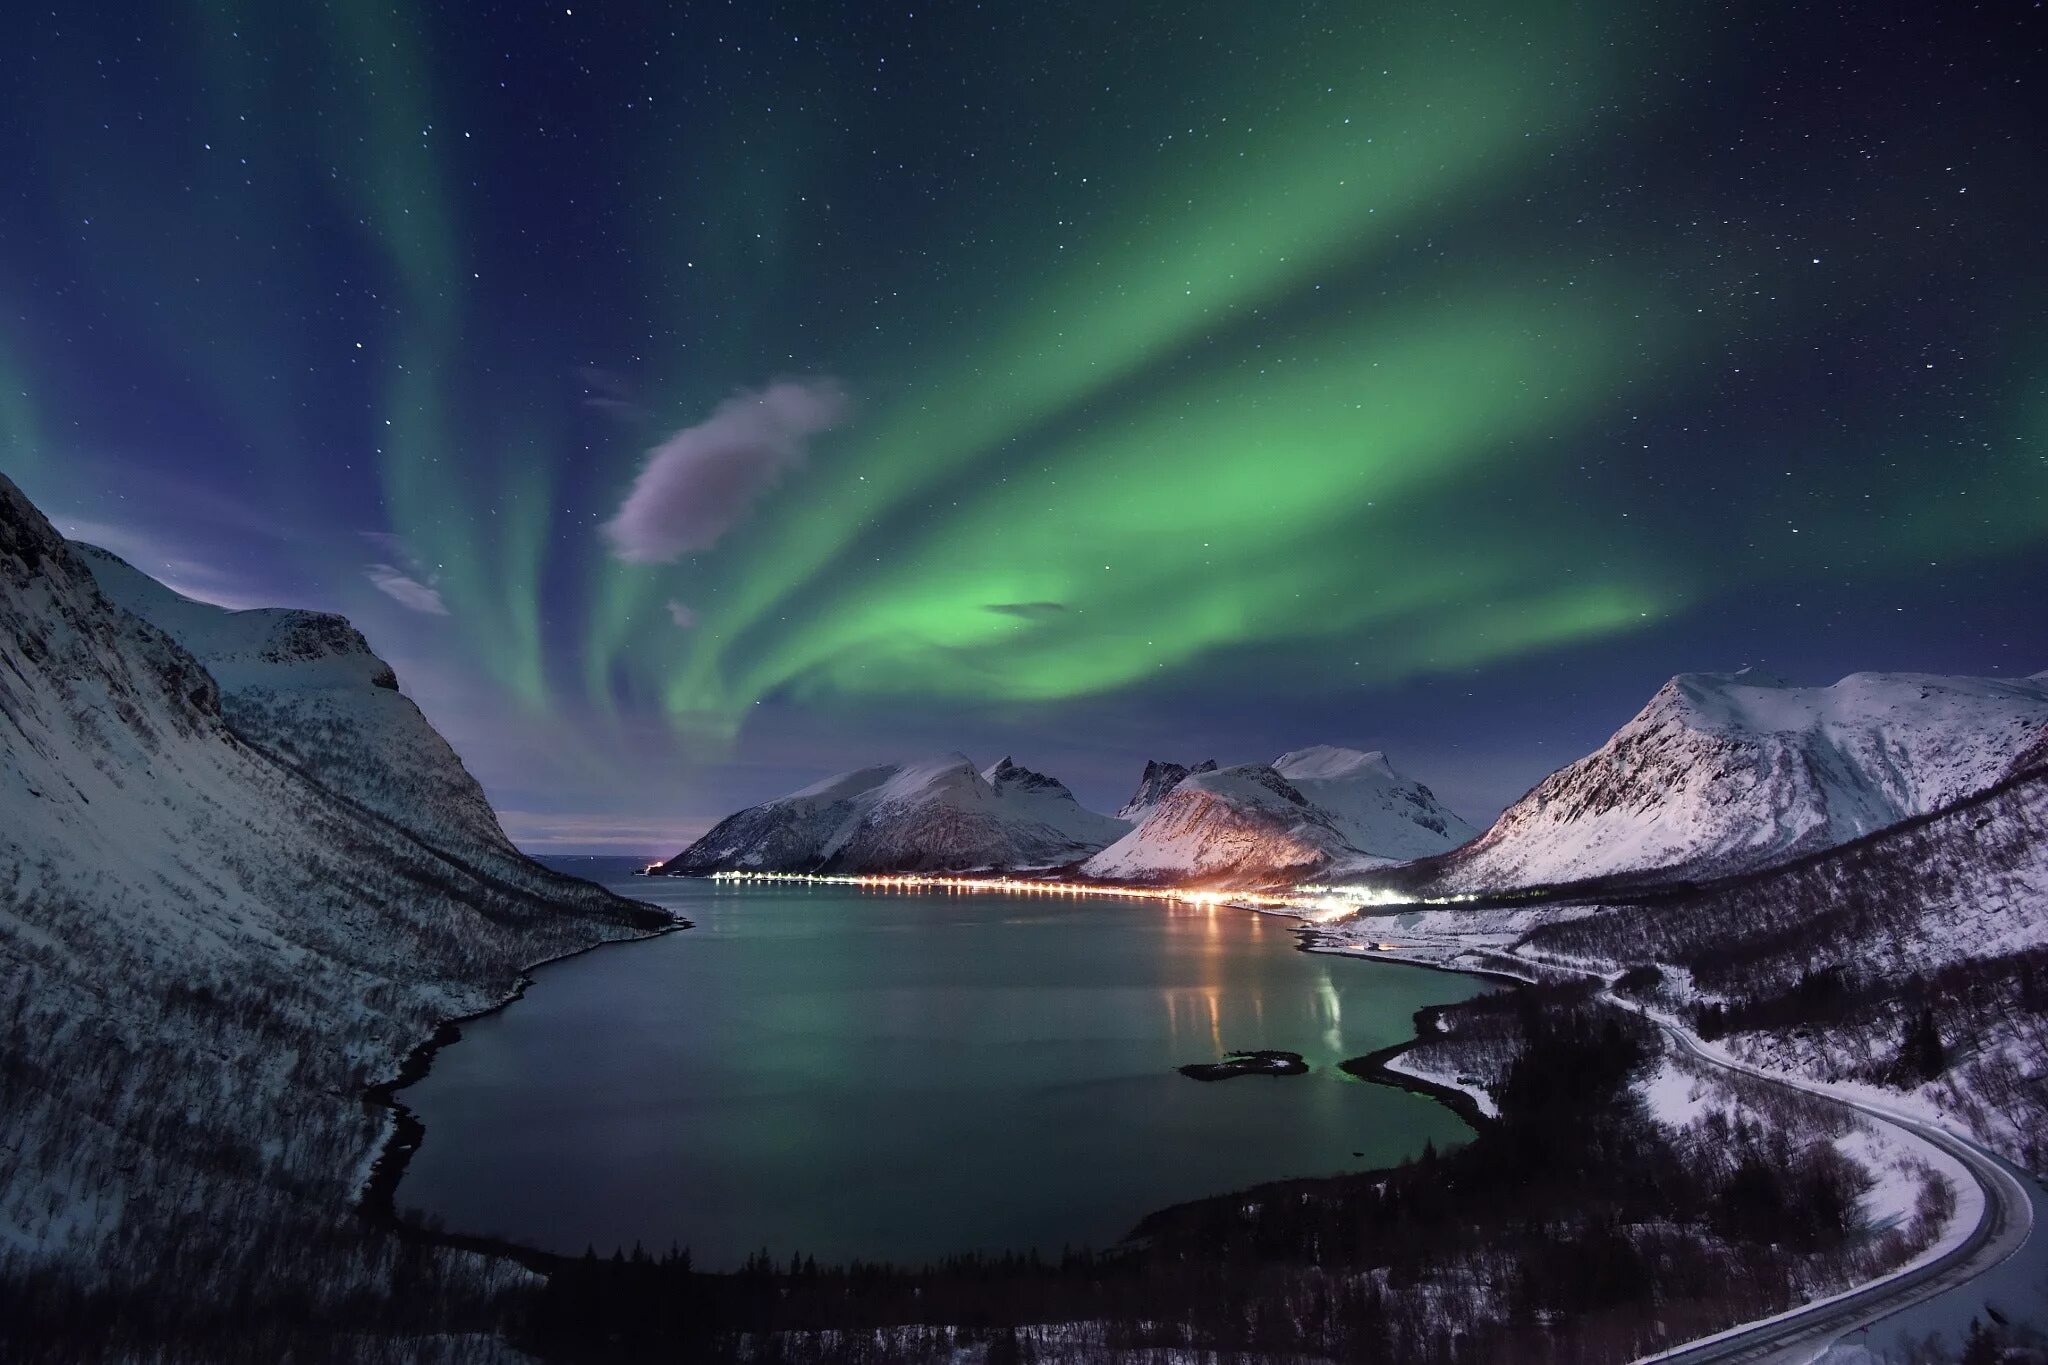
[(1804, 1333)]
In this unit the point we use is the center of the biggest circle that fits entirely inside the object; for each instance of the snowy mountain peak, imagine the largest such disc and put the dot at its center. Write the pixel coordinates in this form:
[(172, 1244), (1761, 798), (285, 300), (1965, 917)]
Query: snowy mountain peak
[(280, 646), (1379, 811), (1330, 761), (1752, 704), (952, 773), (1722, 772), (1311, 811), (930, 815)]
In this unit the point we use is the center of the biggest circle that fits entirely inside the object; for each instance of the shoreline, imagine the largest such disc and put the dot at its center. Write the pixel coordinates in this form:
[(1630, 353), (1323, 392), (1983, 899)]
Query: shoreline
[(376, 1198), (1373, 1067)]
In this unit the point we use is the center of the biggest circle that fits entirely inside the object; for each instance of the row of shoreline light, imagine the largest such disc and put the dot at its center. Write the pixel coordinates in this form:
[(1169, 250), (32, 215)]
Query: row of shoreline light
[(1317, 904), (922, 881)]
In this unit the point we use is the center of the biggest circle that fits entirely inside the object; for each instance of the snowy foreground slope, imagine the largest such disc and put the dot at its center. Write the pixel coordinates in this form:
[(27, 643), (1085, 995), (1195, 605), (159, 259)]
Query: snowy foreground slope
[(1722, 773), (1845, 964), (1309, 812), (212, 938), (935, 815)]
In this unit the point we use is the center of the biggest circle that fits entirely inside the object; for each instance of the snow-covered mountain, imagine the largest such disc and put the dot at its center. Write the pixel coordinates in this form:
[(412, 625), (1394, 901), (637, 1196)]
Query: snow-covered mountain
[(1723, 772), (304, 686), (936, 815), (207, 951), (1309, 812), (1158, 779), (1377, 810)]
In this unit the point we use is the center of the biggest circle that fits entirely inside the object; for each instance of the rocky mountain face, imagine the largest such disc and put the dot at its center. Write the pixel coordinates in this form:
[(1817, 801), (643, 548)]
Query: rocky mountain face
[(213, 939), (1158, 779), (1721, 773), (1310, 812), (937, 815)]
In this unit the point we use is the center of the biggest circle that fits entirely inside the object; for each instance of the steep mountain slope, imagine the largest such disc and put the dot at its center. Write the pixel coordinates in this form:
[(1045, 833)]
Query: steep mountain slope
[(1724, 772), (304, 687), (937, 815), (1377, 810), (1311, 811), (1843, 964), (1157, 780), (205, 956)]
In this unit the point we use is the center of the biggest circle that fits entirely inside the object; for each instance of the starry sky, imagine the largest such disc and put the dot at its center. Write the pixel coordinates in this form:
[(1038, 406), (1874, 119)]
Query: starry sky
[(690, 400)]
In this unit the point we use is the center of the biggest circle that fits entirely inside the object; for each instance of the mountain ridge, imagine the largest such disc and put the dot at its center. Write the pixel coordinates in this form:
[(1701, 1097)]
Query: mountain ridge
[(929, 815), (1726, 772)]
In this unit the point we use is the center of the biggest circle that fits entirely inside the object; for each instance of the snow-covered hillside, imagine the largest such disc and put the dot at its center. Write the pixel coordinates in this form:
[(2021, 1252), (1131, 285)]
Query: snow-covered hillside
[(305, 687), (1725, 772), (1839, 964), (1378, 811), (1309, 812), (935, 815), (207, 952)]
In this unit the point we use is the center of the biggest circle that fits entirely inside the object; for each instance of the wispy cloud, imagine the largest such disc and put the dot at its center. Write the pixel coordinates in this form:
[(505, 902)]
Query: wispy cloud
[(1029, 611), (700, 482), (681, 614), (611, 395), (406, 590), (403, 578)]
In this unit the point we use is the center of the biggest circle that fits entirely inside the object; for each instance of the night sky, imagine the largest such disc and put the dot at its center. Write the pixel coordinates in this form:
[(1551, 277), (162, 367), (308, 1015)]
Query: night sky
[(693, 400)]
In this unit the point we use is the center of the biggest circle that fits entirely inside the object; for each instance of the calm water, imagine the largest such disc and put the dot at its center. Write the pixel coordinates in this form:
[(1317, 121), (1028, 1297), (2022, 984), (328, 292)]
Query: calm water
[(890, 1076)]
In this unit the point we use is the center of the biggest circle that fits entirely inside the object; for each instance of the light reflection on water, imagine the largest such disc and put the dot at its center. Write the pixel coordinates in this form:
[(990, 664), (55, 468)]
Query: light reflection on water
[(883, 1074)]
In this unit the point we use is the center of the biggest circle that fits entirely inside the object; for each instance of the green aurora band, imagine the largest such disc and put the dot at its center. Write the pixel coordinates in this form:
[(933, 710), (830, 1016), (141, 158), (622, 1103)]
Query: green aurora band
[(1240, 417)]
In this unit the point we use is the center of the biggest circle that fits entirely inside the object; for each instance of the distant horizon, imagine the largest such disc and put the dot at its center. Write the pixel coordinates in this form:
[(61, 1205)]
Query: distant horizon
[(1480, 821)]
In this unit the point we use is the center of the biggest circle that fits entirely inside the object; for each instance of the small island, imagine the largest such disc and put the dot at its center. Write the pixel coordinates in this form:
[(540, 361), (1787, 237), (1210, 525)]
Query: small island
[(1265, 1062)]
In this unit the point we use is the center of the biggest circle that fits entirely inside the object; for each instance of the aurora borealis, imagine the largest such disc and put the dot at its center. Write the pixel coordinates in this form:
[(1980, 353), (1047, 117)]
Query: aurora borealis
[(1215, 377)]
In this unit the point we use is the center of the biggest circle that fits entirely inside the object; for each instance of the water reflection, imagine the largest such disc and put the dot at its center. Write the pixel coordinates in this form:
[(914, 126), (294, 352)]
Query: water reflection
[(1194, 1016), (900, 1074)]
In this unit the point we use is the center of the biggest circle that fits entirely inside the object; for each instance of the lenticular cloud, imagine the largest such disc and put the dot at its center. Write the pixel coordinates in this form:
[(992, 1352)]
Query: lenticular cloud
[(700, 482)]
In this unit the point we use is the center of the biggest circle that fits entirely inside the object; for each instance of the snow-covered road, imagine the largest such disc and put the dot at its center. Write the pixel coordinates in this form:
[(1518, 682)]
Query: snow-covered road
[(2005, 1220), (2003, 1204)]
